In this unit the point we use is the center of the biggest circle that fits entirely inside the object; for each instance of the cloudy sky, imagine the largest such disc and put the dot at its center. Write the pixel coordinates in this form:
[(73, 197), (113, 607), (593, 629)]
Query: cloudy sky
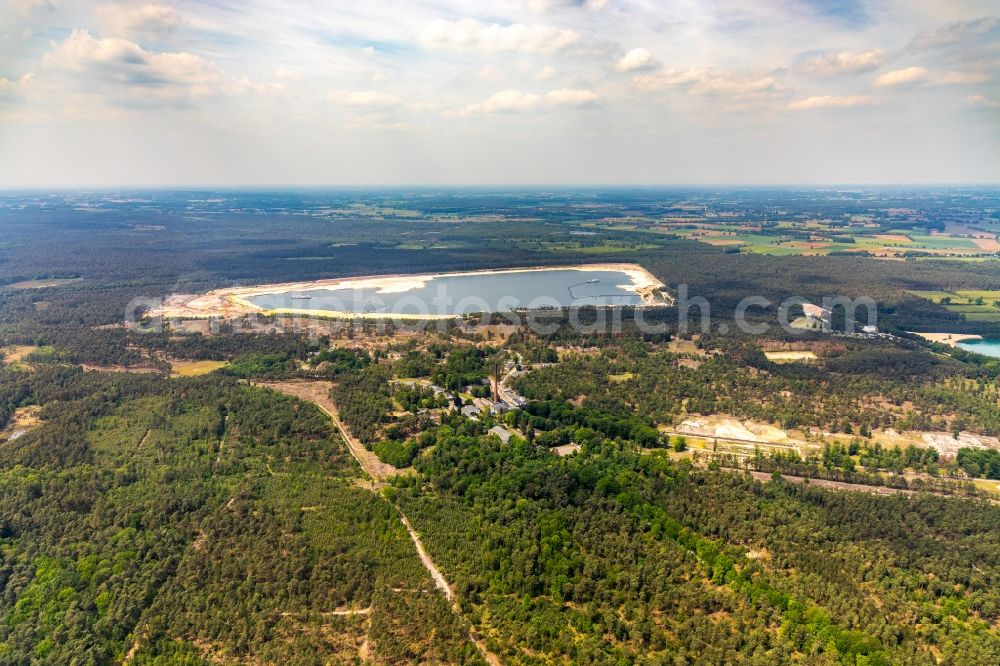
[(305, 92)]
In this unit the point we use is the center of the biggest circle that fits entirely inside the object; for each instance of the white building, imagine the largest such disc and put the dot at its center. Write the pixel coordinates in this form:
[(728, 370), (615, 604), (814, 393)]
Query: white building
[(502, 433)]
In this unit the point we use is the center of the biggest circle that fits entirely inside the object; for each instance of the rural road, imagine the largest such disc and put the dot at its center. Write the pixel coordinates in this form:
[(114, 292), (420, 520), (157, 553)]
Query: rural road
[(318, 393)]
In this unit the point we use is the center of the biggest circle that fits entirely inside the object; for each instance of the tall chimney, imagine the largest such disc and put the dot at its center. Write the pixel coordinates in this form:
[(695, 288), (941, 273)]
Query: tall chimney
[(496, 383)]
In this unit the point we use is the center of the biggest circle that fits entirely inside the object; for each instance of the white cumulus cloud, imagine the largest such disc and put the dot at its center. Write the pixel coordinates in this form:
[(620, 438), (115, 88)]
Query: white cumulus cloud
[(124, 20), (515, 101), (710, 82), (503, 101), (834, 63), (119, 61), (829, 102), (959, 78), (8, 87), (982, 102), (635, 60), (124, 72), (666, 79), (473, 35), (902, 77)]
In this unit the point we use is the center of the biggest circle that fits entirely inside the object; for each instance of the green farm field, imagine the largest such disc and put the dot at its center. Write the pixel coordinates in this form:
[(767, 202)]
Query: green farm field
[(974, 305)]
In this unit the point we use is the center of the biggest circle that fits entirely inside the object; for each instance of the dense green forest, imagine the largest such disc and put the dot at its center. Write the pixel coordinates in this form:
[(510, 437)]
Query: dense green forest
[(611, 557), (202, 519), (198, 520), (853, 390)]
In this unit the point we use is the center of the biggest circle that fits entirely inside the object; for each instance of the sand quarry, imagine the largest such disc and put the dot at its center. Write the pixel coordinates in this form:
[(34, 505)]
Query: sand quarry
[(726, 427), (232, 303)]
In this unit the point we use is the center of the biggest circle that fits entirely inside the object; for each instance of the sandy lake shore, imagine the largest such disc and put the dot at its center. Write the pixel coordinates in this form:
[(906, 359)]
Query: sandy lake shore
[(234, 302), (951, 339)]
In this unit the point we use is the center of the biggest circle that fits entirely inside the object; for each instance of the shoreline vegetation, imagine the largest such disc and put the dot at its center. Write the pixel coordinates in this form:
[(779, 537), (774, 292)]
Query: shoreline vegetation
[(233, 302)]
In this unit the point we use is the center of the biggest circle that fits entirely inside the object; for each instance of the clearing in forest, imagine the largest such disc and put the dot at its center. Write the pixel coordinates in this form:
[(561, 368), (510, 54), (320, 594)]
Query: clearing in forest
[(16, 353), (24, 419), (790, 356), (179, 368), (42, 284)]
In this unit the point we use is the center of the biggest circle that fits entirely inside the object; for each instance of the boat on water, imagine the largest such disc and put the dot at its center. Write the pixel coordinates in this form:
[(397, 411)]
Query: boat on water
[(593, 281), (300, 297)]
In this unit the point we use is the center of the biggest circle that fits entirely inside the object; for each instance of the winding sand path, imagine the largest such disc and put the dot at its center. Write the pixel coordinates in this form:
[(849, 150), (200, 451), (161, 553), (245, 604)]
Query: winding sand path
[(318, 393), (438, 577)]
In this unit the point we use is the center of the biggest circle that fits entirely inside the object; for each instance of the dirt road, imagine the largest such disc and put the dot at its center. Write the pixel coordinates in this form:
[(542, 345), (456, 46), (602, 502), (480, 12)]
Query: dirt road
[(438, 577), (835, 485), (318, 393)]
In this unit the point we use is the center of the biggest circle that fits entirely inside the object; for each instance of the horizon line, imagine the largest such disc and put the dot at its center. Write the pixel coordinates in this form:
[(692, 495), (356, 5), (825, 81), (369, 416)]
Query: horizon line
[(493, 186)]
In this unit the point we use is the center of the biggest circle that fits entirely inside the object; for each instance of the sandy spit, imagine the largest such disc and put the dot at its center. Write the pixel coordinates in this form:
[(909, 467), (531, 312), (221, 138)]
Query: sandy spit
[(951, 339)]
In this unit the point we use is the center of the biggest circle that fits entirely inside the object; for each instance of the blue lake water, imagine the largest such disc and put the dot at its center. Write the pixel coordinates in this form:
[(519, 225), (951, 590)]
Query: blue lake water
[(988, 347), (465, 294)]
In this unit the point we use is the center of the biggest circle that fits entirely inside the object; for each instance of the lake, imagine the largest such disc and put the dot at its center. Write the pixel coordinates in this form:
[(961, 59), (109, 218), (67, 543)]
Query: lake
[(988, 347), (458, 294)]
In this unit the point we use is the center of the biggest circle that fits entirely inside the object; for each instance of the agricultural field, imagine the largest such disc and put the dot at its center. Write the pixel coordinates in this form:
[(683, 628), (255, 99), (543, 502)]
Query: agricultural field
[(973, 304), (581, 248), (821, 237)]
